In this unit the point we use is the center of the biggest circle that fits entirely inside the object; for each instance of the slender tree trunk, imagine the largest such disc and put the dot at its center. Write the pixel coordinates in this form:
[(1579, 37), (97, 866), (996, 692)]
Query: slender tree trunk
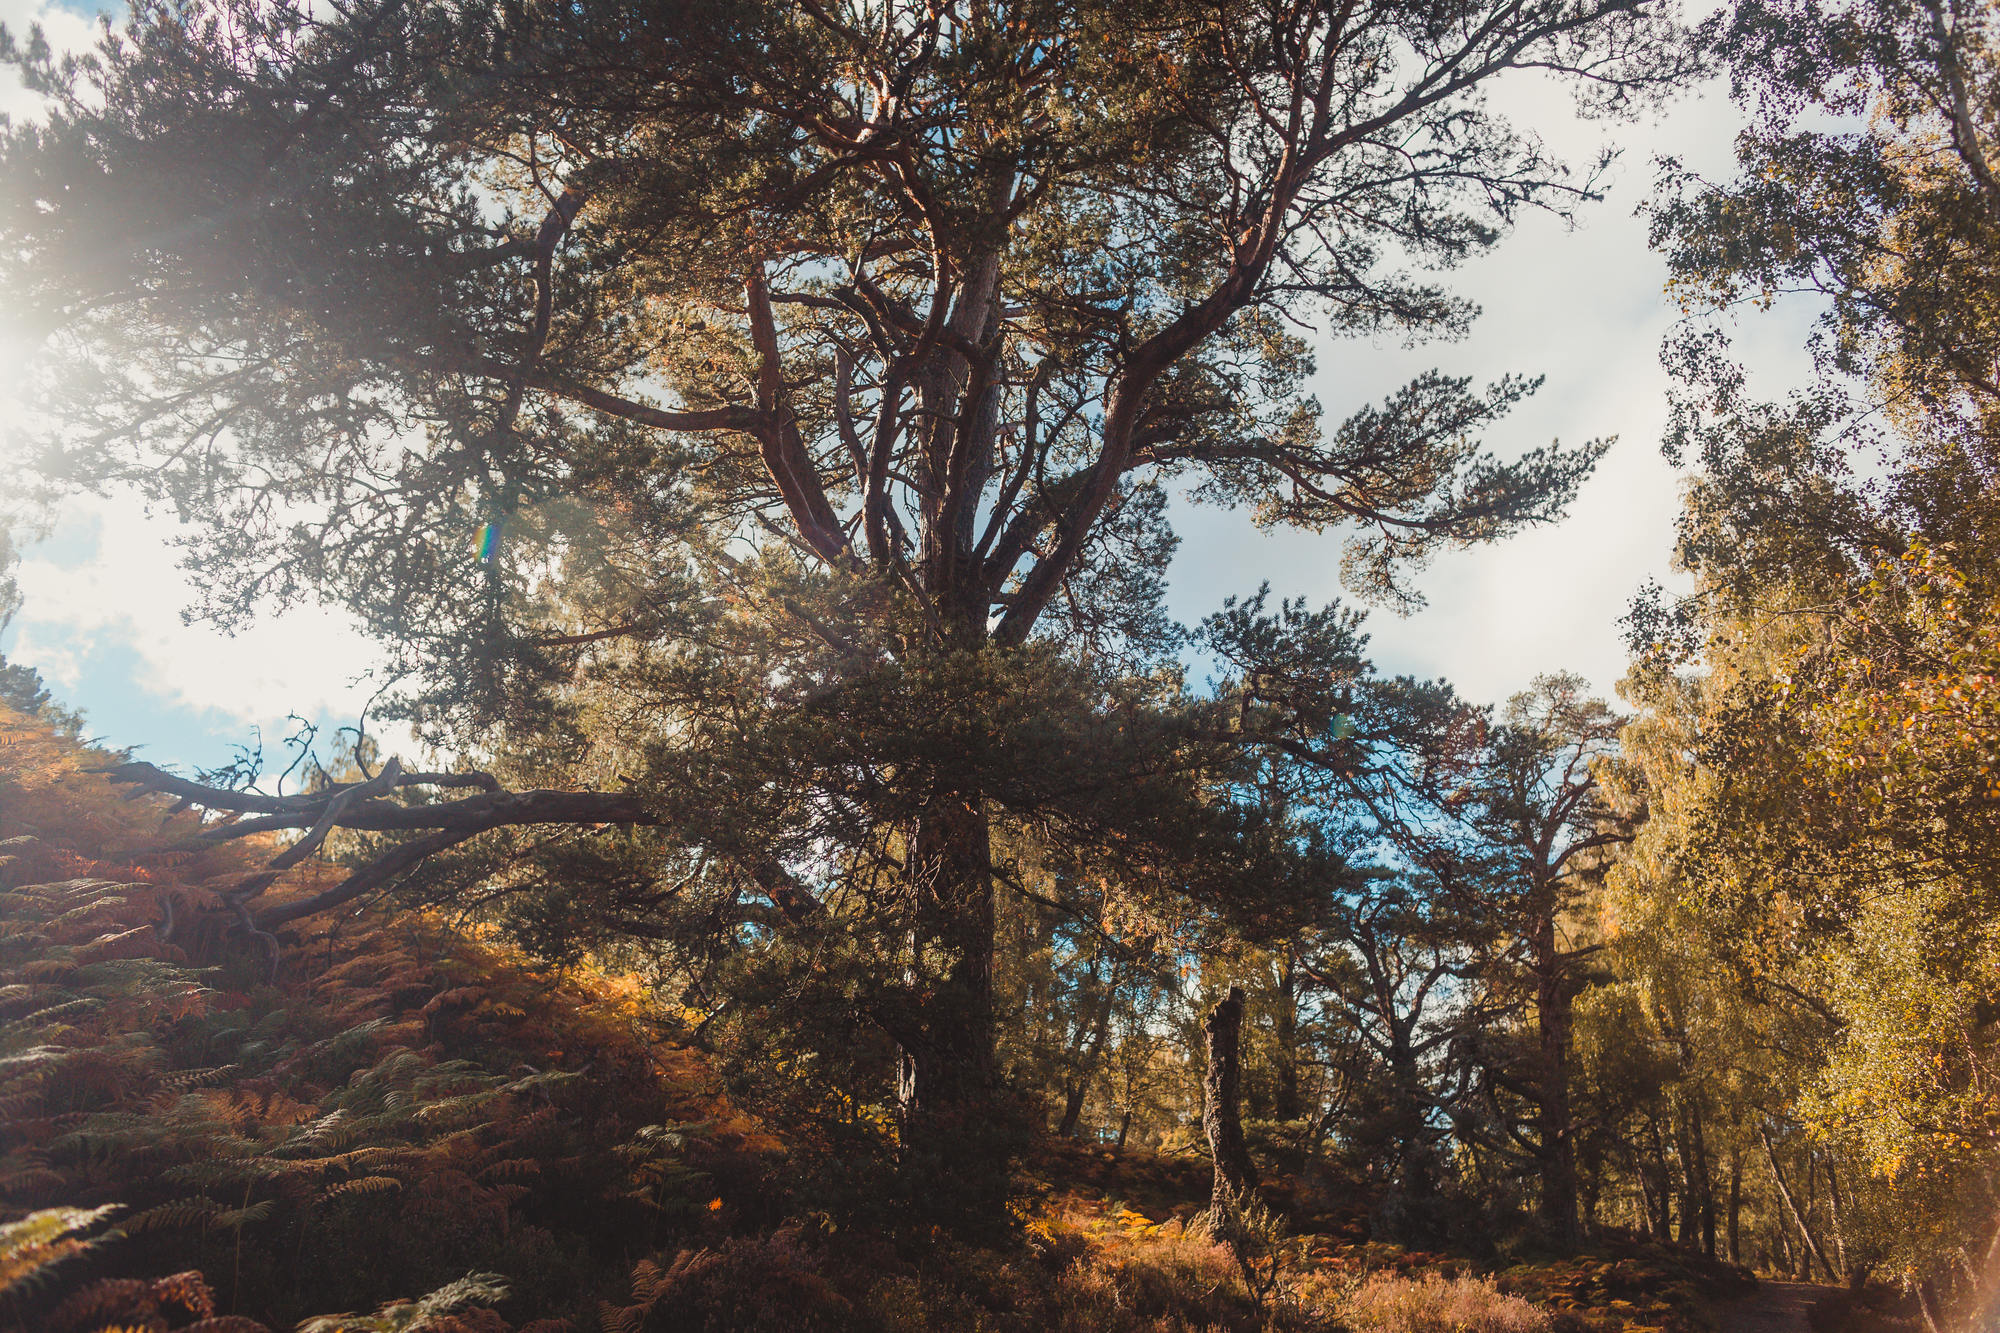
[(1854, 1274), (1809, 1252), (1662, 1222), (1812, 1201), (1701, 1188), (1286, 1102), (1646, 1210), (1235, 1174), (1124, 1128), (1086, 1066), (1933, 1309), (1735, 1205), (1811, 1242)]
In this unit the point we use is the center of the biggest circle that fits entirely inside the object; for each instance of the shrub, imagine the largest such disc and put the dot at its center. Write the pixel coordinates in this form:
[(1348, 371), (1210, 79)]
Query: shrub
[(1172, 1281)]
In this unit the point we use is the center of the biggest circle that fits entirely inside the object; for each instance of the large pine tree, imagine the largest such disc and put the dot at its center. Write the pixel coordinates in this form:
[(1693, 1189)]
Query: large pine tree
[(773, 405)]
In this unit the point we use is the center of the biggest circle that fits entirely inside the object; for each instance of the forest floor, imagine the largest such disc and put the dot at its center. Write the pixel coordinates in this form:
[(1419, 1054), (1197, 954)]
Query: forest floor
[(1774, 1307)]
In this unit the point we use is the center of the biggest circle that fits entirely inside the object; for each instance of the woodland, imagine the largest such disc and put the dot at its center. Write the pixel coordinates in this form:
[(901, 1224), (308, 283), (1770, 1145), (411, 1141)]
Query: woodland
[(826, 889)]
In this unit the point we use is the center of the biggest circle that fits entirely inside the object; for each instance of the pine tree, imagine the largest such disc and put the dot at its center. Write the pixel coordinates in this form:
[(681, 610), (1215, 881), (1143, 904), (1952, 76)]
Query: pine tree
[(775, 404)]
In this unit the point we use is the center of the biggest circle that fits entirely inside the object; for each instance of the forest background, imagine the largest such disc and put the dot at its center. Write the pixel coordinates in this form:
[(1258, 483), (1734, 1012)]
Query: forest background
[(778, 589)]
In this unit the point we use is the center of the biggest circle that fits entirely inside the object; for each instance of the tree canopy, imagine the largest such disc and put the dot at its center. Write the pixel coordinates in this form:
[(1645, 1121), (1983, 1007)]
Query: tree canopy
[(755, 429), (756, 422)]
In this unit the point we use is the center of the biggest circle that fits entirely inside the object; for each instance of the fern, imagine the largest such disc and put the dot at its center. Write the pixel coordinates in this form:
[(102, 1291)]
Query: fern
[(182, 1214), (32, 1247), (365, 1185), (418, 1315), (402, 1105)]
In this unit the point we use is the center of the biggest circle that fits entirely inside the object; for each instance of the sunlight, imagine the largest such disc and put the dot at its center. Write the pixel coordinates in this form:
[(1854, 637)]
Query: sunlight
[(823, 665)]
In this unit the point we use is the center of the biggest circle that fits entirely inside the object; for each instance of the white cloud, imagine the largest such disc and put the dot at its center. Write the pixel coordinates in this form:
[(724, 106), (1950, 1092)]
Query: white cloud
[(1586, 307), (67, 30), (107, 576), (55, 660)]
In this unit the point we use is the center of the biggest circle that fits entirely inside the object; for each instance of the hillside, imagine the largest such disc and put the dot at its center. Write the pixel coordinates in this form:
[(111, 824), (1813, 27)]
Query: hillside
[(392, 1107)]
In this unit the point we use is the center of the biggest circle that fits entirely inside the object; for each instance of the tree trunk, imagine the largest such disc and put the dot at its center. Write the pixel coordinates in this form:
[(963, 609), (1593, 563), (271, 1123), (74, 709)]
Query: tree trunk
[(1419, 1182), (1855, 1275), (956, 1143), (1086, 1065), (1662, 1195), (1124, 1128), (1701, 1189), (1735, 1205), (1286, 1102), (1932, 1308), (1557, 1134), (1811, 1242), (1235, 1174)]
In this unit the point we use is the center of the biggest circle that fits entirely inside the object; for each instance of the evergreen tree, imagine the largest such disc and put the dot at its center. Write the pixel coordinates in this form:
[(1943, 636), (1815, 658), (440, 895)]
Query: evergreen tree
[(774, 404)]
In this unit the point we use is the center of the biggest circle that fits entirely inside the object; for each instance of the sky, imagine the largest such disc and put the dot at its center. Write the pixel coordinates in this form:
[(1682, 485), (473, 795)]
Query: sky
[(1583, 306)]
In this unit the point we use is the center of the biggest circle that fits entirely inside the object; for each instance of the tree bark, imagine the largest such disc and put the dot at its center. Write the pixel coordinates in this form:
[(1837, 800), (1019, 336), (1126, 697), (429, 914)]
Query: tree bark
[(1932, 1308), (1854, 1274), (1235, 1174), (951, 1127), (1701, 1188), (1287, 1103), (1661, 1196), (1553, 1003)]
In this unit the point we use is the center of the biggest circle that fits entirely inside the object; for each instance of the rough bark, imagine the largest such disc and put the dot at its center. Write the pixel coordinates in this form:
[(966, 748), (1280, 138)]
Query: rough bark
[(1235, 1174), (950, 1123)]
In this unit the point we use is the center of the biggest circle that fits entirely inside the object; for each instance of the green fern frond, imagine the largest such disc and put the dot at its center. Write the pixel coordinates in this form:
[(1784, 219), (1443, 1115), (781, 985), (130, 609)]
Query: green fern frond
[(193, 1213), (32, 1247), (43, 1017), (236, 1218), (365, 1185), (418, 1315)]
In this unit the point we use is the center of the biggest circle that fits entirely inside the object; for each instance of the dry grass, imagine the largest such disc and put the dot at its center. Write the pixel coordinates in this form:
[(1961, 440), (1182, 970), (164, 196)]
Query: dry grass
[(1435, 1304)]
